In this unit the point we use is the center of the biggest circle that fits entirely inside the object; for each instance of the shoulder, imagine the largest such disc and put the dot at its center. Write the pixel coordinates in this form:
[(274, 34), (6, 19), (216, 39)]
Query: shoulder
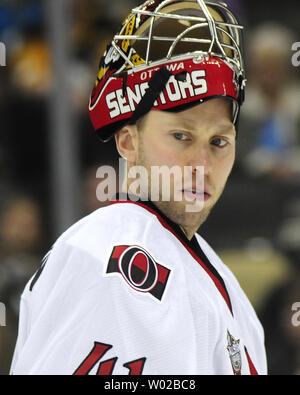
[(91, 240), (117, 223), (79, 258), (119, 242)]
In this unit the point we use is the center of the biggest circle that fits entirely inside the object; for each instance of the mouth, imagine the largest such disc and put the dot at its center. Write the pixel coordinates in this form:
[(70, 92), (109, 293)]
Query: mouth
[(194, 194)]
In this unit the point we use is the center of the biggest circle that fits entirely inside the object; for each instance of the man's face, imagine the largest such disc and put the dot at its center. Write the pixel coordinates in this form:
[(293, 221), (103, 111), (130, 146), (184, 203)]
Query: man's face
[(201, 136)]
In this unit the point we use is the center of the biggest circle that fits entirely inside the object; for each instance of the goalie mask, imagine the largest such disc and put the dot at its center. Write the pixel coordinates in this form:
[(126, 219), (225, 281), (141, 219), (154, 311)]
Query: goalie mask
[(168, 56)]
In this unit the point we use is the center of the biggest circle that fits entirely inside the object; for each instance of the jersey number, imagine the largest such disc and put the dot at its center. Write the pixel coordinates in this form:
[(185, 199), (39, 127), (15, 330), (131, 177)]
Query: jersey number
[(135, 368)]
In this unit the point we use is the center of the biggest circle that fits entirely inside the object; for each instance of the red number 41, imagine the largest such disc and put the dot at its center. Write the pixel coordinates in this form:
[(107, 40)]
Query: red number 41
[(135, 368)]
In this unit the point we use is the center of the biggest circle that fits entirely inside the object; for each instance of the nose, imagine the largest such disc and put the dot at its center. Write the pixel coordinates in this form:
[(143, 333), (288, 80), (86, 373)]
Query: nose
[(201, 156)]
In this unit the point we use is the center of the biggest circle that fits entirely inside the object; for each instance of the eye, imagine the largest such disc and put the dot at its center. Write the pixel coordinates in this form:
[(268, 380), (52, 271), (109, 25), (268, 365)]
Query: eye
[(181, 136), (219, 142)]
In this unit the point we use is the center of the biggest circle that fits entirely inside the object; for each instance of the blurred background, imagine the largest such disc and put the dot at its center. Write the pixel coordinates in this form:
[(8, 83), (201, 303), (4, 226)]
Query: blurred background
[(49, 154)]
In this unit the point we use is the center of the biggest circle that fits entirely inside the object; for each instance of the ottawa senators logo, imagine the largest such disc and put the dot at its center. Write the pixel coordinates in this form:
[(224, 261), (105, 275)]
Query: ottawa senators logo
[(139, 270)]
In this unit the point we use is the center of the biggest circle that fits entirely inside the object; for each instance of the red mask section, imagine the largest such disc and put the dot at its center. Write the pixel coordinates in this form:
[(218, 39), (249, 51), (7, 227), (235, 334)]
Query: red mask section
[(115, 98)]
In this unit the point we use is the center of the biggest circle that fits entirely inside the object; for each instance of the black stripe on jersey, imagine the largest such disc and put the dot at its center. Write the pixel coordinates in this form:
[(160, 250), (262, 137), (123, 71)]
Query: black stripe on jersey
[(40, 270), (194, 245)]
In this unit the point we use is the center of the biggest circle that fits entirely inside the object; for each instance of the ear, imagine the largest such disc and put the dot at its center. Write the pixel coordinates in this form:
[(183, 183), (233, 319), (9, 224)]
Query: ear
[(127, 143)]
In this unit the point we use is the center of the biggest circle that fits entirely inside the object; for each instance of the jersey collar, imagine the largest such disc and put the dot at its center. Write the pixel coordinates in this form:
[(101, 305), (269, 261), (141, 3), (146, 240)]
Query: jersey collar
[(150, 206)]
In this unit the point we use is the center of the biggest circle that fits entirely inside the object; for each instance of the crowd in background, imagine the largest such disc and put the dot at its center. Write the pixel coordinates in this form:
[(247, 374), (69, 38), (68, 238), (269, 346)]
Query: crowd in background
[(256, 225)]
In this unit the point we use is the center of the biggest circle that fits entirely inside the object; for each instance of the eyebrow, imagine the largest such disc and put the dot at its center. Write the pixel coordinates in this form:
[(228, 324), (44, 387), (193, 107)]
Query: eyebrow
[(226, 129), (222, 129)]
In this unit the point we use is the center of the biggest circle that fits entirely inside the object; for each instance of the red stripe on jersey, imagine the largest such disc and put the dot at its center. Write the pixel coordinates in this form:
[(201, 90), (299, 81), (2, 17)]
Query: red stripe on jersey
[(216, 281), (253, 371)]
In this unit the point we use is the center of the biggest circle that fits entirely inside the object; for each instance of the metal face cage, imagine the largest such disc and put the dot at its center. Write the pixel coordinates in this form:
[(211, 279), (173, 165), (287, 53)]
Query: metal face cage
[(219, 33)]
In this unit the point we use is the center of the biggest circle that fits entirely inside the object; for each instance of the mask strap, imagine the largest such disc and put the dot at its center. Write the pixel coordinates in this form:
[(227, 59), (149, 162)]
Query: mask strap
[(156, 86)]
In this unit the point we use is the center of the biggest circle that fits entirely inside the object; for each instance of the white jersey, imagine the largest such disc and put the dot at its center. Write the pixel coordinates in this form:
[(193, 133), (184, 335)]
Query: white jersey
[(123, 291)]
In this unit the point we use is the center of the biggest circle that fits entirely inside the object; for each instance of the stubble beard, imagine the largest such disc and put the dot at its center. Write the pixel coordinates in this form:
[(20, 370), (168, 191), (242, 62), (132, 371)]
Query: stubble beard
[(174, 210)]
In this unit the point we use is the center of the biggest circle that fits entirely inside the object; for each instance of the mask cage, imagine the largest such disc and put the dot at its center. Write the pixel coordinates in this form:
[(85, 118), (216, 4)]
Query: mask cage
[(198, 27)]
